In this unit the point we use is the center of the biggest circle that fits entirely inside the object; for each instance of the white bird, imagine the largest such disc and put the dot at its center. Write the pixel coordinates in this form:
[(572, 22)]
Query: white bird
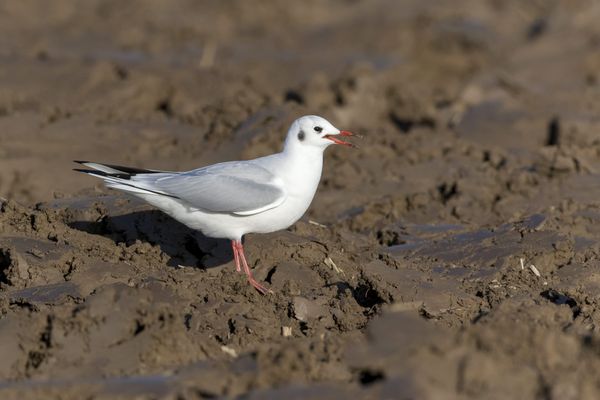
[(230, 199)]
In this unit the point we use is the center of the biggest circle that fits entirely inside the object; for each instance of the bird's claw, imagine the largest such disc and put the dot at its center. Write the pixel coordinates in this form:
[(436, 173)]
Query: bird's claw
[(259, 287)]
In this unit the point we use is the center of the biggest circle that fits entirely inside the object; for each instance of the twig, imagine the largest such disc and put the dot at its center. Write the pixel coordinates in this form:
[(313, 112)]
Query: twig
[(310, 221), (207, 60), (535, 270), (329, 262), (229, 351)]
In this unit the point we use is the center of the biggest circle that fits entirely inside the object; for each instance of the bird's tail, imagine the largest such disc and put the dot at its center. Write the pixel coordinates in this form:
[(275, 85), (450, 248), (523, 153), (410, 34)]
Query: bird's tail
[(128, 179)]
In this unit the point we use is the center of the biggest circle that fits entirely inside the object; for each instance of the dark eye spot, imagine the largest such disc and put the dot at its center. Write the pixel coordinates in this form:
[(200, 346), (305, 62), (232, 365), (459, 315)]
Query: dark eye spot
[(301, 136), (318, 129)]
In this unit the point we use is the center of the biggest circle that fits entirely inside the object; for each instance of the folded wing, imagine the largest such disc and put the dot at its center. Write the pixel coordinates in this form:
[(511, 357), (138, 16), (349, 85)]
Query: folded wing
[(241, 188)]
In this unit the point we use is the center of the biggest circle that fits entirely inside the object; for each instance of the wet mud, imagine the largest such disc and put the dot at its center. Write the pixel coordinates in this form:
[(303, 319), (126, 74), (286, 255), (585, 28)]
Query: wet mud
[(455, 254)]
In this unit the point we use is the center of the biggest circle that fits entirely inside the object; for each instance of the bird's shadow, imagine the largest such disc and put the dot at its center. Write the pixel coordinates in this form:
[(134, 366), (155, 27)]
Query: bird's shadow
[(183, 245)]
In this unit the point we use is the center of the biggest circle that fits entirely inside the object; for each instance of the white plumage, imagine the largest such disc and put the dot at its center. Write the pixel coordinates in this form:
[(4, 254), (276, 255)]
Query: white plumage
[(230, 199)]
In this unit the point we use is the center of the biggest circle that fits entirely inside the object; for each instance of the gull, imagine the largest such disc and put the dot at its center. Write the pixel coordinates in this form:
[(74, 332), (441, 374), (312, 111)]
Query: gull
[(230, 199)]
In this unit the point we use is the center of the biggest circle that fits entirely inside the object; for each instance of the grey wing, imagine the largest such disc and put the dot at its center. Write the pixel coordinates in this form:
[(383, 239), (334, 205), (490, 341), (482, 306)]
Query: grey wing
[(241, 188)]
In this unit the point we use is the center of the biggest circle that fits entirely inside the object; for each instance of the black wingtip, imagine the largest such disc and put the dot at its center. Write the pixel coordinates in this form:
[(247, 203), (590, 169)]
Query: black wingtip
[(80, 162), (102, 174), (85, 171)]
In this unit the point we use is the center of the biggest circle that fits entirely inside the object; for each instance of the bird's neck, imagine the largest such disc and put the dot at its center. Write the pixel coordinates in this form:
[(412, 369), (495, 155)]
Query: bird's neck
[(303, 165), (304, 156)]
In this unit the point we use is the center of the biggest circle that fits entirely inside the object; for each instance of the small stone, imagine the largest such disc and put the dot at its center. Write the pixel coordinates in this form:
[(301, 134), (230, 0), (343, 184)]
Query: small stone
[(305, 310)]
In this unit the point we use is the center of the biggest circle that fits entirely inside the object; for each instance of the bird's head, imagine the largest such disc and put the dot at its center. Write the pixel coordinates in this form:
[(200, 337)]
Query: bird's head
[(312, 131)]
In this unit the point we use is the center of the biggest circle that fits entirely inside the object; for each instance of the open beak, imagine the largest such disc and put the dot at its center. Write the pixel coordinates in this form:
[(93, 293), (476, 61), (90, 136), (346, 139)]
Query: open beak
[(336, 140)]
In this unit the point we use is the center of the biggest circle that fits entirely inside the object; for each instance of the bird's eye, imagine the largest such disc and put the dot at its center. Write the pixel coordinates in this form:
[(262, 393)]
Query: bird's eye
[(318, 129)]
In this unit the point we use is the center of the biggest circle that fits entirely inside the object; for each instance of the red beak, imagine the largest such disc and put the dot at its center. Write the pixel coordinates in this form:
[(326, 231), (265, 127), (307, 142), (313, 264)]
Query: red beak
[(335, 140)]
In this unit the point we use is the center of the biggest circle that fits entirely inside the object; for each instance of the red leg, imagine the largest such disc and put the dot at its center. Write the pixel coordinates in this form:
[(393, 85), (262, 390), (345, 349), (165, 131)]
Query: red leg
[(236, 257), (251, 280)]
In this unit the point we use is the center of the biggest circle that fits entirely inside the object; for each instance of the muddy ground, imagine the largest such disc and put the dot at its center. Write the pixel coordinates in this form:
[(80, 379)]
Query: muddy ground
[(456, 254)]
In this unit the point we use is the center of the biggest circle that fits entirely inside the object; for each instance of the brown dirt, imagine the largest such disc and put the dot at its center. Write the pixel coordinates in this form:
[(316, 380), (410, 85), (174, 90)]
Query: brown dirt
[(457, 253)]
